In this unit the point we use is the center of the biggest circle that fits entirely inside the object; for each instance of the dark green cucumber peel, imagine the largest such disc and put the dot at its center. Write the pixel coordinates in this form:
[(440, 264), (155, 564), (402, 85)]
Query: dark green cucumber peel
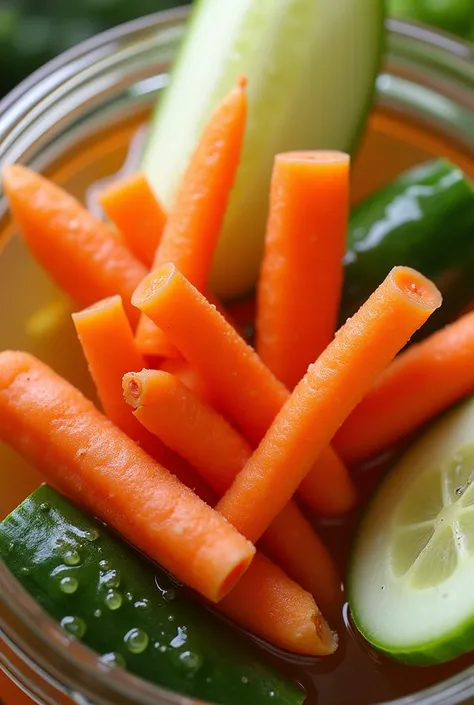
[(121, 606), (424, 219)]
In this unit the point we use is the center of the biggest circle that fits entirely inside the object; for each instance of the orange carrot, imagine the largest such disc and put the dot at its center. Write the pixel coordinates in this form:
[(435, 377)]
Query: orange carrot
[(131, 204), (180, 368), (236, 379), (196, 431), (195, 219), (83, 454), (268, 603), (110, 350), (324, 398), (80, 252), (301, 277), (421, 382)]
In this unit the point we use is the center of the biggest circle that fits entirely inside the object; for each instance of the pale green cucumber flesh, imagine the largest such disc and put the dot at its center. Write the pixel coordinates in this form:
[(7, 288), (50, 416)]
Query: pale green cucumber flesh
[(411, 578), (311, 66)]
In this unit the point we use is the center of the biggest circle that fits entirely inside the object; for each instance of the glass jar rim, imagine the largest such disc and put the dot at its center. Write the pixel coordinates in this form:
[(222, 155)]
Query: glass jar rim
[(62, 657)]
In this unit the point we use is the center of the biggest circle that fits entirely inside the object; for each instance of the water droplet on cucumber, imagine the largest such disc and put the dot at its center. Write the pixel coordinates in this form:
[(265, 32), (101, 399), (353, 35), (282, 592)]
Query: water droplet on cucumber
[(91, 535), (129, 596), (71, 557), (44, 506), (74, 625), (105, 565), (244, 680), (97, 613), (115, 659), (190, 662), (136, 641), (111, 579), (68, 585), (113, 600)]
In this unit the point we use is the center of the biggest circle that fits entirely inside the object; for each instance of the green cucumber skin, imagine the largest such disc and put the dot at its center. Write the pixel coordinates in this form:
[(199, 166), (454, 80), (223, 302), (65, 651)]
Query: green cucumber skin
[(223, 668), (455, 644), (424, 219)]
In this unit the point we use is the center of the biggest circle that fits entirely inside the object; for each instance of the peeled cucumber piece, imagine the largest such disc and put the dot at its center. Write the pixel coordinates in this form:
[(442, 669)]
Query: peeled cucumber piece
[(109, 596), (311, 66), (411, 580)]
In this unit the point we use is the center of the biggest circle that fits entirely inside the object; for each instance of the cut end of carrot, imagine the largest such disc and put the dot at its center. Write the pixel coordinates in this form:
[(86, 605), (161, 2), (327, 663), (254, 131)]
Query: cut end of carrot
[(98, 306), (233, 577), (416, 287), (315, 157), (152, 284), (132, 389), (327, 638)]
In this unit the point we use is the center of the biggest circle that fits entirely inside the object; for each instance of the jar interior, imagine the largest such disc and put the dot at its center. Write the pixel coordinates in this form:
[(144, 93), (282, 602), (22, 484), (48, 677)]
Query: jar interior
[(42, 324)]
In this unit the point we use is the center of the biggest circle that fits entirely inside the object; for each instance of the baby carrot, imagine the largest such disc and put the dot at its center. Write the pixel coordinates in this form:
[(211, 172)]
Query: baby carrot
[(324, 398), (422, 381), (80, 252), (238, 382), (211, 445), (52, 425), (301, 277), (131, 204), (271, 605), (109, 347), (196, 216)]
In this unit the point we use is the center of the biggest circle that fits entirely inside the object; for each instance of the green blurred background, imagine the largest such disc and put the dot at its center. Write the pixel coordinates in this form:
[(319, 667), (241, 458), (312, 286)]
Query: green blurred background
[(34, 31)]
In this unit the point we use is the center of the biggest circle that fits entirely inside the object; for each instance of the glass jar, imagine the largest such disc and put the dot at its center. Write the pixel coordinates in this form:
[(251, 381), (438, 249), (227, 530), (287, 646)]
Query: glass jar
[(73, 119)]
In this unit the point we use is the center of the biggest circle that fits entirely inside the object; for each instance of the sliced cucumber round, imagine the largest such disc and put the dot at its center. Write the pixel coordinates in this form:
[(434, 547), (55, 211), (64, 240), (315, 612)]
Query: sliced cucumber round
[(411, 581), (311, 66)]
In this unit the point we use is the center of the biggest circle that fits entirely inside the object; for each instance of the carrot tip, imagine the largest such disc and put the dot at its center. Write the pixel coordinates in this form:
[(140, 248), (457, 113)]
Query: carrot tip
[(242, 82), (416, 287), (315, 157), (152, 283)]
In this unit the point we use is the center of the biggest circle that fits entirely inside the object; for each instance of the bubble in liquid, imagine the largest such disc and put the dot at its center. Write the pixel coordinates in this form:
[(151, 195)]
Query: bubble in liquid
[(71, 557), (113, 600), (129, 596), (74, 625), (169, 595), (104, 564), (115, 659), (97, 613), (68, 585), (44, 506), (244, 680), (136, 641)]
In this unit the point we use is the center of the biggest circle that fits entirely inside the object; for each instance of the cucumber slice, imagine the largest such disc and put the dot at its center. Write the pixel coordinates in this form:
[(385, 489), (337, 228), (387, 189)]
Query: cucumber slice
[(311, 66), (411, 581), (116, 602)]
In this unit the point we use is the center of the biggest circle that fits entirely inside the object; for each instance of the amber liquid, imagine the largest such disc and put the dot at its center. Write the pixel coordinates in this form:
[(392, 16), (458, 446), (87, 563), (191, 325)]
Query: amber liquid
[(355, 675)]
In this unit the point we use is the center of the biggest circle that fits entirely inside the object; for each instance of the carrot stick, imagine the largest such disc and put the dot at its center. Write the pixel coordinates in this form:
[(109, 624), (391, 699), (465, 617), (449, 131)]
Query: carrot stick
[(198, 433), (131, 204), (324, 398), (420, 383), (301, 277), (80, 252), (180, 368), (238, 382), (269, 604), (195, 219), (83, 454), (110, 350)]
